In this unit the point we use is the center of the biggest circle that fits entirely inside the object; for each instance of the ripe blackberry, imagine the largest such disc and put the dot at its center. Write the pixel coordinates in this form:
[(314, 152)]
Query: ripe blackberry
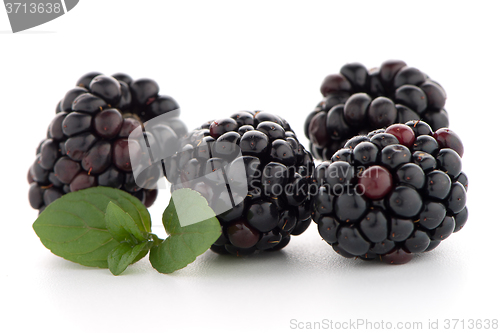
[(392, 193), (254, 174), (88, 142), (357, 101)]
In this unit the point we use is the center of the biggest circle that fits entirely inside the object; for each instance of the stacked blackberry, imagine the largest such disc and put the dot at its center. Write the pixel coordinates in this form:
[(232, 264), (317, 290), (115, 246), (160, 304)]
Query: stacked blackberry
[(357, 101), (254, 174), (88, 143), (392, 193)]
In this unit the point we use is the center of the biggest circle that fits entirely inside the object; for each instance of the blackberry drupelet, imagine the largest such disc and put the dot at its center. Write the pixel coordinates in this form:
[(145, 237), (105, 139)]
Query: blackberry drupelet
[(392, 193), (357, 101), (254, 174), (88, 142)]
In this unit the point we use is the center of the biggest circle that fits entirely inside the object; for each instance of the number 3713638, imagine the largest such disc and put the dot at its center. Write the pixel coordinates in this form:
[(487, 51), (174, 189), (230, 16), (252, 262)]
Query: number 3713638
[(33, 8), (471, 324)]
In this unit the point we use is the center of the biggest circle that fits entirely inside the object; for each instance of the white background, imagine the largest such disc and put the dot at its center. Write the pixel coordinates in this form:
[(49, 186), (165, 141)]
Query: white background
[(216, 58)]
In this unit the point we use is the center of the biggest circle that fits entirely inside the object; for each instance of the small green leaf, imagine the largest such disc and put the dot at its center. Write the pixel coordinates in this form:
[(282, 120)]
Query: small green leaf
[(190, 208), (74, 226), (121, 225), (199, 230), (125, 254)]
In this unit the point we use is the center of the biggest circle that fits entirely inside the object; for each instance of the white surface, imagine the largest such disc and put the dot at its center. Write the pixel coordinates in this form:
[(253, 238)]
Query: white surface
[(216, 58)]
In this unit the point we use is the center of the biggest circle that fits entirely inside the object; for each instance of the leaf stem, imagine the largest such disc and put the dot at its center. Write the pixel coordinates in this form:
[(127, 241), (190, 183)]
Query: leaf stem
[(156, 240)]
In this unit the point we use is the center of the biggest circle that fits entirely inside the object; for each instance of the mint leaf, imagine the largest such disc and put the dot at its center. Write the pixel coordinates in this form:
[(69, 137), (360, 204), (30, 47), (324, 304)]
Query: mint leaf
[(133, 241), (74, 226), (192, 227), (125, 254), (121, 225), (190, 208)]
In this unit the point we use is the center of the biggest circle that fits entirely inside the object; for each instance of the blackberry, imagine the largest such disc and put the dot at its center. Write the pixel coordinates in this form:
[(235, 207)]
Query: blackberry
[(88, 142), (357, 101), (254, 173), (382, 196)]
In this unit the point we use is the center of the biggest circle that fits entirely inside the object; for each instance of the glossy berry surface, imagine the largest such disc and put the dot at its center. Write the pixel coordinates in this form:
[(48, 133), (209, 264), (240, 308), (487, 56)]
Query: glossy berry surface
[(242, 235), (88, 140), (108, 123), (254, 173), (391, 193), (403, 133), (221, 126), (357, 101), (449, 139), (106, 87), (376, 182)]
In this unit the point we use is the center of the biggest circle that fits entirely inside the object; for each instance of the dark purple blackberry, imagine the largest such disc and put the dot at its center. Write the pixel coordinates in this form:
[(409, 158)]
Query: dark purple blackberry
[(254, 173), (357, 101), (88, 141), (381, 196)]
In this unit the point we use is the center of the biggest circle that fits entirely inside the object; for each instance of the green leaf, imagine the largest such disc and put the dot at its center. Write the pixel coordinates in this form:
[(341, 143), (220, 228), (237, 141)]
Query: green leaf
[(192, 227), (121, 225), (74, 226), (125, 254)]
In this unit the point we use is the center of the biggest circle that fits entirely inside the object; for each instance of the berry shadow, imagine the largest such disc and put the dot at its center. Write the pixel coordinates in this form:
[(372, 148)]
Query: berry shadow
[(441, 271), (214, 265)]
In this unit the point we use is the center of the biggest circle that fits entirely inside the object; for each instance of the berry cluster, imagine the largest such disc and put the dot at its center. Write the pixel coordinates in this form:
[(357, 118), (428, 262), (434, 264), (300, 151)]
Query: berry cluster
[(385, 193), (392, 193), (259, 153), (88, 143), (357, 101)]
